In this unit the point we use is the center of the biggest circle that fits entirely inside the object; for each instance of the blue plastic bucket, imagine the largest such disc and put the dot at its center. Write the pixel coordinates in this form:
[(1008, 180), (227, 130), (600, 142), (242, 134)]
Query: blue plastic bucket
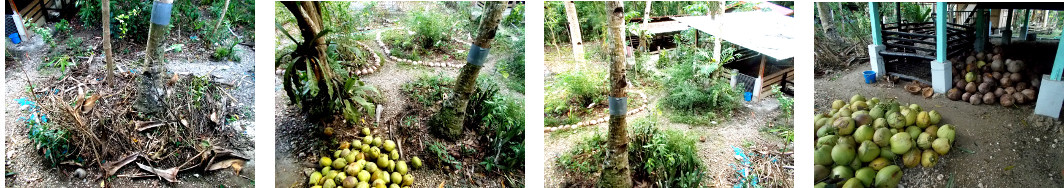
[(869, 77), (748, 96), (14, 38)]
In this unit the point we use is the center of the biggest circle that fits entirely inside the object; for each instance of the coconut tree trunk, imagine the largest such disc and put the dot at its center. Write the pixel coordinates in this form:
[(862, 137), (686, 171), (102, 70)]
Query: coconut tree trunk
[(148, 101), (824, 15), (221, 17), (615, 172), (646, 19), (106, 19), (717, 56), (574, 31), (450, 119)]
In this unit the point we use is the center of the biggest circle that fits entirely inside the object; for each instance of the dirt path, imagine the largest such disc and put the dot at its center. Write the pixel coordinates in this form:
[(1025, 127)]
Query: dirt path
[(716, 152), (31, 171), (1007, 151)]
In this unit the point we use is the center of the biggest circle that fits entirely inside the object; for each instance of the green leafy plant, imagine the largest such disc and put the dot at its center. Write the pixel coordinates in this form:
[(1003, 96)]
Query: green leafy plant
[(310, 83), (62, 27), (507, 143), (667, 157), (440, 152), (427, 90)]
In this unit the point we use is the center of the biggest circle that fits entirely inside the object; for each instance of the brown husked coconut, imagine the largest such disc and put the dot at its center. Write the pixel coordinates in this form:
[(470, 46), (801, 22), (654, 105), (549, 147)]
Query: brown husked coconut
[(913, 88), (988, 78), (1007, 101), (1036, 83), (984, 88), (997, 57), (959, 84), (1031, 94), (997, 66), (999, 91), (1006, 82), (980, 56), (966, 96), (996, 75), (1015, 67), (970, 60), (1020, 98), (927, 92), (976, 99), (953, 94), (998, 50), (971, 87), (1010, 90), (989, 98), (1020, 86), (1016, 77)]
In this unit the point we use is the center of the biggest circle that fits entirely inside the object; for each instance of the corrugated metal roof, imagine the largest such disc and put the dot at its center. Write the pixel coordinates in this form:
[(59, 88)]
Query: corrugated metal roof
[(769, 33)]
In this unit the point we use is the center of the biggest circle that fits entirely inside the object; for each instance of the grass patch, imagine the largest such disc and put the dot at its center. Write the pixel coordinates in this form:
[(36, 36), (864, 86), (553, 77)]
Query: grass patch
[(668, 158), (567, 97), (428, 90)]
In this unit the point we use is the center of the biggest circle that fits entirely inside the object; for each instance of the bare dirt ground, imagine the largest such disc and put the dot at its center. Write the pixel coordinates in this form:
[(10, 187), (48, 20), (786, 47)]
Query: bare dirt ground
[(743, 130), (1007, 150), (26, 167)]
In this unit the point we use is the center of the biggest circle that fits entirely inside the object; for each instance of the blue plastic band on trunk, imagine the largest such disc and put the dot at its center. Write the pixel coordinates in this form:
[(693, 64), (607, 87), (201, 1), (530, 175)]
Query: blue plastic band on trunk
[(160, 13), (618, 106), (477, 55)]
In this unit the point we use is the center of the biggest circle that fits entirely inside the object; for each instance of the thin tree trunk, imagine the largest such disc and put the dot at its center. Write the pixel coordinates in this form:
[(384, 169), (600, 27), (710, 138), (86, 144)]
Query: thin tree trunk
[(221, 17), (148, 101), (824, 15), (717, 41), (574, 31), (106, 19), (646, 19), (616, 172), (450, 119)]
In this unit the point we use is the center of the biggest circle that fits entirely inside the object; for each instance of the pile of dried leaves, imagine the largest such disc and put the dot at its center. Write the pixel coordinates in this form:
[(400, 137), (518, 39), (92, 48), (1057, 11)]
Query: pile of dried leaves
[(189, 133)]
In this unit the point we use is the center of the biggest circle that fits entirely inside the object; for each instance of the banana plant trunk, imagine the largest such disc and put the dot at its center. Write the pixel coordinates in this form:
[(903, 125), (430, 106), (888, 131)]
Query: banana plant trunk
[(106, 19), (450, 120), (148, 101), (616, 172)]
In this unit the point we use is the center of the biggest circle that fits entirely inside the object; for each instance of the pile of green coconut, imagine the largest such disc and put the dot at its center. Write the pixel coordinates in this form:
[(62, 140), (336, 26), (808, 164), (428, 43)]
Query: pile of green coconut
[(858, 144), (364, 163)]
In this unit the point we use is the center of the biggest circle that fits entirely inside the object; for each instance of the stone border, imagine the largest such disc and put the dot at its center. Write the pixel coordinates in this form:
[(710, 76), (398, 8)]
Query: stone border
[(372, 68), (604, 119), (425, 63)]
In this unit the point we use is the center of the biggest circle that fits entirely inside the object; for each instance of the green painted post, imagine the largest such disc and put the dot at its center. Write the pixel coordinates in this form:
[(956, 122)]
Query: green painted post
[(940, 31), (1058, 63), (877, 27), (1026, 22)]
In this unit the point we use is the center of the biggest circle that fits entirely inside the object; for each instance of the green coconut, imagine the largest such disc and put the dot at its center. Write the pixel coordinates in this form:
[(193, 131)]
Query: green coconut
[(929, 158), (868, 151), (858, 106), (923, 120), (910, 118), (970, 77), (340, 177), (330, 175), (825, 131), (866, 175), (329, 183), (842, 153), (401, 167), (911, 158), (879, 163), (315, 179), (856, 164), (886, 153), (915, 107), (339, 163), (389, 145), (362, 184), (396, 177), (877, 112), (879, 123), (365, 131), (873, 101), (933, 130), (941, 145), (325, 161), (367, 140), (947, 132), (863, 133), (862, 118), (416, 162), (857, 97), (852, 183), (408, 180), (820, 172), (337, 154), (913, 131), (888, 177), (372, 167), (363, 176), (882, 137), (829, 141), (900, 143), (935, 117), (820, 123), (393, 155), (924, 140), (845, 112), (353, 168), (844, 126), (842, 172), (837, 104), (378, 141), (350, 182), (847, 140), (895, 119)]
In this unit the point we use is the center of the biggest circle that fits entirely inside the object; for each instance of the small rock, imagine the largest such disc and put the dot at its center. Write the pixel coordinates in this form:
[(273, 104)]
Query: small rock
[(196, 175), (703, 139), (80, 173)]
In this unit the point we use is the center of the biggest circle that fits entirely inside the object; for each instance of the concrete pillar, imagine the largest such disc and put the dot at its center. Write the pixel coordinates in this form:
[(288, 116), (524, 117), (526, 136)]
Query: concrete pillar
[(877, 25), (982, 29), (876, 60), (941, 69), (1050, 102)]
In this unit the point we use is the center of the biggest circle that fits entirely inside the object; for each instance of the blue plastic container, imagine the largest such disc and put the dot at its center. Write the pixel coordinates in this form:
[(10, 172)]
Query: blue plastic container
[(869, 77), (14, 38), (748, 96)]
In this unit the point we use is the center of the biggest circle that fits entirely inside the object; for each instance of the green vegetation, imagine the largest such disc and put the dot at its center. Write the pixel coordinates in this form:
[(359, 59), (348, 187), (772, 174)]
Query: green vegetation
[(130, 19), (428, 90), (667, 157), (699, 90), (569, 94)]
